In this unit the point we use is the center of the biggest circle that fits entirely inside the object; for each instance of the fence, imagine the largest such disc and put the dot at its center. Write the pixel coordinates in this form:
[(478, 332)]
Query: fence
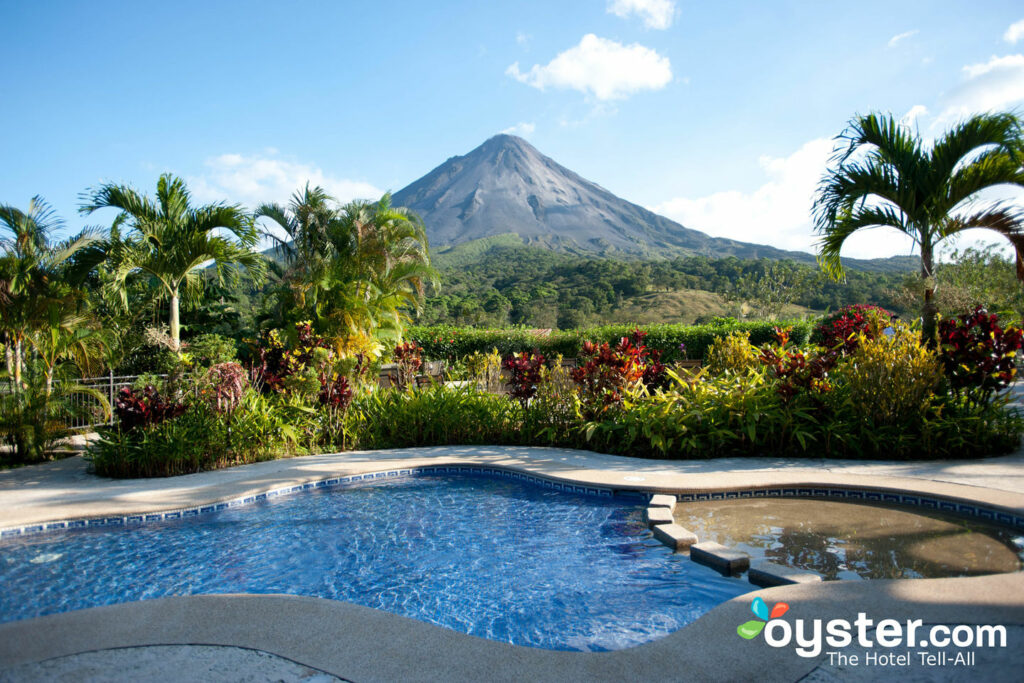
[(91, 414)]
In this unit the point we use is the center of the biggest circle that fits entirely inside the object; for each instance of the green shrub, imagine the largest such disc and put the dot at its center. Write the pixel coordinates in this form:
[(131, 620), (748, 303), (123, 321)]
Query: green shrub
[(199, 439), (208, 350), (553, 416), (452, 343), (733, 353), (890, 380), (34, 416), (433, 416)]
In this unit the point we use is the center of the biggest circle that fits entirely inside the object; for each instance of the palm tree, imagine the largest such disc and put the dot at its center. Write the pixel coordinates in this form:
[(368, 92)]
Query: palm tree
[(306, 221), (883, 175), (171, 242), (383, 251), (37, 276), (356, 269)]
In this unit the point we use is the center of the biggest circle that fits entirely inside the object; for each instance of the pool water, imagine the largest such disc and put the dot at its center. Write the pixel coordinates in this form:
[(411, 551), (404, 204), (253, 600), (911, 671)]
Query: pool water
[(489, 557), (843, 540)]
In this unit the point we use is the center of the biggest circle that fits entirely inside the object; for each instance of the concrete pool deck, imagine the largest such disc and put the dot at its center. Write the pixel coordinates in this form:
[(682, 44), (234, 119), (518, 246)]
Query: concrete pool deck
[(358, 643)]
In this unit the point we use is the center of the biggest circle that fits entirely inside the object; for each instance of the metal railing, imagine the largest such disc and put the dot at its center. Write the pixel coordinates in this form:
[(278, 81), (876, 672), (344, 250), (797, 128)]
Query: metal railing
[(91, 413)]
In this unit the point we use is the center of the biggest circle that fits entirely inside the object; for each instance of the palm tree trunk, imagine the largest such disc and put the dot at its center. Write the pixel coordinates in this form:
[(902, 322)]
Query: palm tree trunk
[(19, 361), (929, 312), (175, 326)]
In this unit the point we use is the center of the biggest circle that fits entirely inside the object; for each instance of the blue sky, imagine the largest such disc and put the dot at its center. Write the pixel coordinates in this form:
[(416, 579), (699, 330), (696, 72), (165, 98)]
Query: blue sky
[(719, 115)]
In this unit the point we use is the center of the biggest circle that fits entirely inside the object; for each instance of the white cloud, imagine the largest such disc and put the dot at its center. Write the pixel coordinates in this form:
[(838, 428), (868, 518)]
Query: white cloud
[(899, 37), (1015, 32), (522, 129), (522, 38), (779, 211), (253, 180), (989, 86), (916, 112), (604, 68), (657, 14)]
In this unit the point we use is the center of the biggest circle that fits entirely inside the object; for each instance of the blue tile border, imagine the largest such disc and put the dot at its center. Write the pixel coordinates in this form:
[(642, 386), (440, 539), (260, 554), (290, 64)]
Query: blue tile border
[(926, 502), (957, 507)]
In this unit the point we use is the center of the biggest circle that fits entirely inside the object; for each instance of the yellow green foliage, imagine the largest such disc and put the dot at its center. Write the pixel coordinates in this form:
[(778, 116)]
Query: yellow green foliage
[(555, 411), (891, 378), (733, 353), (485, 369)]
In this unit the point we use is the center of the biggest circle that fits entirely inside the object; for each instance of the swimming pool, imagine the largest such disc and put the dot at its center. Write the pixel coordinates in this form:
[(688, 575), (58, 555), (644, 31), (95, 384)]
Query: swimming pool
[(490, 557)]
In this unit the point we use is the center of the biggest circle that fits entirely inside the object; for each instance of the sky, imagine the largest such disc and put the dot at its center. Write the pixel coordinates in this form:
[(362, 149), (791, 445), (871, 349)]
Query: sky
[(719, 115)]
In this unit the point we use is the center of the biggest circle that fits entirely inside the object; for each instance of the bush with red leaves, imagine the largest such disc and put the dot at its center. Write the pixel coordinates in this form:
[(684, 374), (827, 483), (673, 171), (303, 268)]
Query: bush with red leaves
[(608, 371), (273, 361), (225, 385), (524, 371), (798, 372), (145, 408), (977, 353), (839, 330), (335, 392), (409, 359)]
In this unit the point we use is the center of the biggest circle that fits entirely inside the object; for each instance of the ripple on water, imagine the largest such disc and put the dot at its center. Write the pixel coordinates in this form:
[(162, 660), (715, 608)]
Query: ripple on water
[(489, 557)]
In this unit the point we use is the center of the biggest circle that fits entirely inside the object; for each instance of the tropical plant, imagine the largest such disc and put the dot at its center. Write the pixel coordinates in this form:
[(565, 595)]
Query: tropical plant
[(883, 175), (170, 242), (890, 378), (35, 411), (136, 409), (524, 371), (799, 372), (357, 269), (978, 354), (841, 330), (37, 278), (408, 357), (733, 353), (383, 256), (306, 249)]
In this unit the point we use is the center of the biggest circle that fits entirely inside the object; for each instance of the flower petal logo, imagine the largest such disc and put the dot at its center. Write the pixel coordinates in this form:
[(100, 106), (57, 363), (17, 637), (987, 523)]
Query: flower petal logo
[(751, 629)]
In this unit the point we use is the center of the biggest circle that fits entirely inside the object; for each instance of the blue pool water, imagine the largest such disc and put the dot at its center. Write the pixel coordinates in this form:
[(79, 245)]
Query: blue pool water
[(490, 557)]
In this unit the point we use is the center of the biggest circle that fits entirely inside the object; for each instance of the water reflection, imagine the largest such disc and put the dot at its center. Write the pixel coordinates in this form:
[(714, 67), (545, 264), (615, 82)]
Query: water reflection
[(842, 540)]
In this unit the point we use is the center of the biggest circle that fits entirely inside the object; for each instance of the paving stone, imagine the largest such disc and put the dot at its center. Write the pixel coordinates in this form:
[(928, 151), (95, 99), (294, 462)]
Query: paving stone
[(767, 574), (655, 516), (717, 556), (663, 500), (675, 536)]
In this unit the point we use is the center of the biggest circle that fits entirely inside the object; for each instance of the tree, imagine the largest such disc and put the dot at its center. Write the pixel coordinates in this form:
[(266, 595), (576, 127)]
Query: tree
[(778, 284), (355, 269), (383, 251), (37, 277), (170, 242), (883, 175), (306, 248)]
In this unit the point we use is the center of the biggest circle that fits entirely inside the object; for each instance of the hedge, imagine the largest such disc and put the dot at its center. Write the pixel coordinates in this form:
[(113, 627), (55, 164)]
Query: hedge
[(445, 342)]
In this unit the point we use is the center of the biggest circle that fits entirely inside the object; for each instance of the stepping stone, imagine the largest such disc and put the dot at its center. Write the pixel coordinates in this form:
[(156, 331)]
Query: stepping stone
[(717, 556), (675, 536), (662, 501), (768, 574), (655, 516)]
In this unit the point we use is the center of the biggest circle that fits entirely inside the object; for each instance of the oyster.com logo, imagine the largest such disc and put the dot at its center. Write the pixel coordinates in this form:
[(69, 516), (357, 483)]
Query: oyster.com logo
[(752, 629)]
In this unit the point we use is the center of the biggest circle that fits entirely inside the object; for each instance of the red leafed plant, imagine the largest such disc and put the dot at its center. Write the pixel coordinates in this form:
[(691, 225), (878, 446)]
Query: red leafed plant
[(607, 371), (144, 408), (408, 357), (796, 371), (977, 353), (839, 331), (273, 361), (524, 371), (225, 385), (335, 392)]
